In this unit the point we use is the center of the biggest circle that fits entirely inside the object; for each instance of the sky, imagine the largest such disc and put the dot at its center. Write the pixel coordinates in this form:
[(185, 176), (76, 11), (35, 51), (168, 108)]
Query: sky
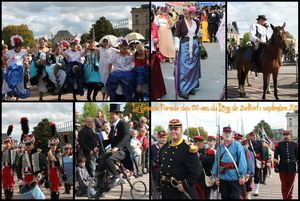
[(207, 119), (79, 106), (35, 112), (77, 17), (246, 13)]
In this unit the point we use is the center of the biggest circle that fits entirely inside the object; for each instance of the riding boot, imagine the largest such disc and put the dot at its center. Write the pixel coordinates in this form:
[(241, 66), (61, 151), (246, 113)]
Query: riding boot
[(52, 196), (56, 195), (67, 188)]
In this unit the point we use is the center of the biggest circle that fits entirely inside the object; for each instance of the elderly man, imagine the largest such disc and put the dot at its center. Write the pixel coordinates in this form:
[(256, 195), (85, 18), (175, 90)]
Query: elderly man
[(89, 141), (230, 171), (179, 165)]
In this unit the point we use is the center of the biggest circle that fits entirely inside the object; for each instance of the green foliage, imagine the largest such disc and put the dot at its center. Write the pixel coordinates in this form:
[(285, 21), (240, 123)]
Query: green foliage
[(159, 128), (21, 30), (266, 126), (137, 110), (103, 27), (85, 37), (246, 38), (90, 110), (194, 132)]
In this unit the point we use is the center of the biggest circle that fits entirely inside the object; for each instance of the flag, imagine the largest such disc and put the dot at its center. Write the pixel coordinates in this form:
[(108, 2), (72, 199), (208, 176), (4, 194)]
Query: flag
[(103, 135), (264, 136), (221, 34)]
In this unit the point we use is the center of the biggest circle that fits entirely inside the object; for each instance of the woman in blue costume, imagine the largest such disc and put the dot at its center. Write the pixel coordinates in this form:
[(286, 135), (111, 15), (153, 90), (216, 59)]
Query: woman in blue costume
[(120, 81), (38, 73), (187, 65), (13, 82), (74, 69), (91, 72)]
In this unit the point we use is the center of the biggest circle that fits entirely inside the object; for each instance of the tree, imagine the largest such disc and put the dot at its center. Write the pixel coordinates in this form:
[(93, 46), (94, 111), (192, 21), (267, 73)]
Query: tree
[(246, 38), (85, 37), (159, 128), (42, 133), (102, 27), (90, 110), (137, 110), (122, 32), (266, 126), (194, 132), (21, 30)]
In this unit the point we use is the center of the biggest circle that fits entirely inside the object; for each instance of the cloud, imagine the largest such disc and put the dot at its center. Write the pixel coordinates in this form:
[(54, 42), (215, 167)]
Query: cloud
[(45, 17), (245, 14), (35, 112)]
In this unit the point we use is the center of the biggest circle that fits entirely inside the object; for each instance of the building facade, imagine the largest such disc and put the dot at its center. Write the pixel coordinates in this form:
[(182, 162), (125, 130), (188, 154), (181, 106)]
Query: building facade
[(292, 123), (141, 20), (63, 35), (233, 33)]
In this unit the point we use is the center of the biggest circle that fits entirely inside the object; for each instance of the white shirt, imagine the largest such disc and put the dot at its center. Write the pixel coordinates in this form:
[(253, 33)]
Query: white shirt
[(134, 142), (74, 56), (261, 29), (16, 58), (121, 63)]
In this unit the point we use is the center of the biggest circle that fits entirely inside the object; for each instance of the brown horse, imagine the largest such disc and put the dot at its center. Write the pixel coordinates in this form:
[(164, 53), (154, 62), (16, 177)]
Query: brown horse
[(270, 61)]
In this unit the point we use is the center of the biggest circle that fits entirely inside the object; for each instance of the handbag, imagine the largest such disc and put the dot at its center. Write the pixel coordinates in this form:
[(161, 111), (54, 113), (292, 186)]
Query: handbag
[(203, 52), (258, 163), (209, 180)]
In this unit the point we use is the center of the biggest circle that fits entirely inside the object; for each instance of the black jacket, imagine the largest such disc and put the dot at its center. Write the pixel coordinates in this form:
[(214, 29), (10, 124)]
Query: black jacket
[(88, 140), (288, 154)]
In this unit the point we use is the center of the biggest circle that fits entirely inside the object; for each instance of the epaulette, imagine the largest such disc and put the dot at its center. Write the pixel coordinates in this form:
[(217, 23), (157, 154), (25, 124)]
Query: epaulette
[(192, 148)]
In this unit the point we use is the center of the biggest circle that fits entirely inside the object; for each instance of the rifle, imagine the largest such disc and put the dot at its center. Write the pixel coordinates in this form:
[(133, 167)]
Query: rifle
[(187, 127)]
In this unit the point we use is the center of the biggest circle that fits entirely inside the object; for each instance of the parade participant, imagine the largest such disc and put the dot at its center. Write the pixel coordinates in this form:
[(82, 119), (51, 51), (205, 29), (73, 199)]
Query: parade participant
[(89, 142), (166, 44), (232, 167), (74, 70), (38, 74), (158, 88), (266, 159), (13, 82), (154, 157), (55, 165), (285, 163), (204, 25), (250, 169), (56, 70), (105, 53), (120, 80), (140, 73), (257, 148), (258, 35), (32, 170), (213, 22), (9, 160), (67, 167), (188, 67), (119, 138), (238, 137), (91, 71), (179, 165), (211, 141)]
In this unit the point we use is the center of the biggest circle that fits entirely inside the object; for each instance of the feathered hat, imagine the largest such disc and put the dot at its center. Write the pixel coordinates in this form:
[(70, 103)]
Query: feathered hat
[(9, 131), (76, 39), (121, 42), (53, 140), (16, 40), (24, 127)]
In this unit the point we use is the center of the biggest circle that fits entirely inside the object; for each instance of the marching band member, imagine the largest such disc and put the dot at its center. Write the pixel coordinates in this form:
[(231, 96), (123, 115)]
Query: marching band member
[(9, 160)]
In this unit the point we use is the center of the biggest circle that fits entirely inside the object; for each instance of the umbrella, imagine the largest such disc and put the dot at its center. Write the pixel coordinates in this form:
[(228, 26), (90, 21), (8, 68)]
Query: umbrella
[(134, 36), (111, 38)]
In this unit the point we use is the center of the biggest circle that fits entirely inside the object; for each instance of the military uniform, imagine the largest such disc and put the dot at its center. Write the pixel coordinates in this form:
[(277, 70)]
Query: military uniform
[(286, 166), (9, 158), (31, 164), (178, 161), (259, 155), (55, 163), (229, 176)]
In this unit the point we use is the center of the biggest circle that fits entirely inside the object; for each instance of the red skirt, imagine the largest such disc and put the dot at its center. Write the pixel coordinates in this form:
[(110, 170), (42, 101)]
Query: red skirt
[(7, 177), (158, 88), (54, 179)]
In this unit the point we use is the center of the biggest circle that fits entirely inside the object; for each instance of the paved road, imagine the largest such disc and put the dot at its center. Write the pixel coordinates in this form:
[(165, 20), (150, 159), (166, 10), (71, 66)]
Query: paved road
[(288, 89), (113, 194), (46, 192), (212, 71)]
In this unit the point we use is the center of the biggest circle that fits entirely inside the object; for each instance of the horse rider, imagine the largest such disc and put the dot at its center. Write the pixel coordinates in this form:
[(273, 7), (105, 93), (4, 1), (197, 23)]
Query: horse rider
[(258, 35)]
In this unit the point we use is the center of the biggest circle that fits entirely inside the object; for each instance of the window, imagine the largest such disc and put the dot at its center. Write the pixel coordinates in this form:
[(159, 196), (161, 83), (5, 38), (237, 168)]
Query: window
[(136, 16), (290, 122), (136, 21)]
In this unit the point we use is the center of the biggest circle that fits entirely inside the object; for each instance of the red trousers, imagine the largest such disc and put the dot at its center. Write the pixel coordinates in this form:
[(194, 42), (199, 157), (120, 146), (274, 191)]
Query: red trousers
[(287, 180), (54, 179), (200, 189), (7, 177)]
